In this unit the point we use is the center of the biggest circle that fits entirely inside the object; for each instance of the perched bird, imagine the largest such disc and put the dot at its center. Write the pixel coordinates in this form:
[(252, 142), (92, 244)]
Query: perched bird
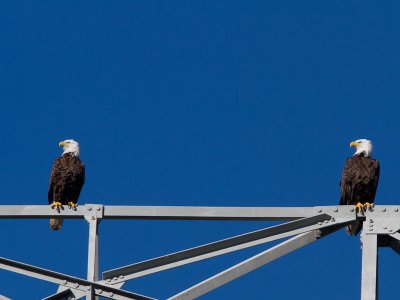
[(66, 180), (359, 181)]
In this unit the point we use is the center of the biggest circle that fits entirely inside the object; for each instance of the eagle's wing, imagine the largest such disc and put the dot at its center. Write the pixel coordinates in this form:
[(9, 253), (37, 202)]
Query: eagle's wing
[(375, 179), (54, 179), (346, 183), (79, 179)]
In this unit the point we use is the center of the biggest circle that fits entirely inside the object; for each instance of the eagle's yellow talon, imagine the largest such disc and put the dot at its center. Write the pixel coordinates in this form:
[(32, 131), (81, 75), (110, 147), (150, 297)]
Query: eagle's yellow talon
[(359, 207), (368, 206), (56, 205), (72, 205)]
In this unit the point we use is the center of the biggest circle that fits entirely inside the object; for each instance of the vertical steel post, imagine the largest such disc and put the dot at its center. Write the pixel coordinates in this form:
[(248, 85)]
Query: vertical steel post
[(369, 290), (93, 215), (93, 254)]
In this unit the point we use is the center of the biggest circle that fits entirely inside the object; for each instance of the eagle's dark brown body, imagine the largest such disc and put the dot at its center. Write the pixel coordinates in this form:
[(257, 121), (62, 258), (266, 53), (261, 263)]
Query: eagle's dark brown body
[(66, 181), (359, 182)]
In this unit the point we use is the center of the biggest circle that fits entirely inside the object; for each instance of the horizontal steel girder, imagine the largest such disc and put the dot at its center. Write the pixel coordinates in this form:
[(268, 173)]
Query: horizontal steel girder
[(172, 212), (68, 281)]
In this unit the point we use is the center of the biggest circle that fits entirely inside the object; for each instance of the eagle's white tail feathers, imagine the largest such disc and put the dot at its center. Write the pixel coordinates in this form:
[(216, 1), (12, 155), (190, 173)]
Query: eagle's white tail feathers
[(354, 228), (56, 223)]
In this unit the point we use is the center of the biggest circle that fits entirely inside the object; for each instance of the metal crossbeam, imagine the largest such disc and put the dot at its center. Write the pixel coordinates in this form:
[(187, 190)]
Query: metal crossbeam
[(172, 212), (68, 281)]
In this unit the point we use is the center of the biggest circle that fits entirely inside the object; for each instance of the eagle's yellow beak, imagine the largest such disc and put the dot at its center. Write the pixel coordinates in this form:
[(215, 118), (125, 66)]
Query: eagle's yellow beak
[(61, 144), (354, 144)]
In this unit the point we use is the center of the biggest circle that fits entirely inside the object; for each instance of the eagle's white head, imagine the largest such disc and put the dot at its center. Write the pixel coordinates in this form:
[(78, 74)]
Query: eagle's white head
[(70, 146), (363, 146)]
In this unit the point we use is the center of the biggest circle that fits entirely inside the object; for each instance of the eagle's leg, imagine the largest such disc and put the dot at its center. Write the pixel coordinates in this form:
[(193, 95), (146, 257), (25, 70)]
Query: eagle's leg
[(72, 205), (359, 207), (368, 206), (57, 205)]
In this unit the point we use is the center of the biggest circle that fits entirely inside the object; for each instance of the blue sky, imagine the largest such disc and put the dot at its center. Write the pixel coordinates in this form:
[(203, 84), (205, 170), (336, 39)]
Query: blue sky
[(210, 103)]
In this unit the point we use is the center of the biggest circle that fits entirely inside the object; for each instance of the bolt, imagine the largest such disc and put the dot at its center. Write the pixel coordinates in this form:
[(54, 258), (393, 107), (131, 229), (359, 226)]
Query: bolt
[(384, 209), (335, 210)]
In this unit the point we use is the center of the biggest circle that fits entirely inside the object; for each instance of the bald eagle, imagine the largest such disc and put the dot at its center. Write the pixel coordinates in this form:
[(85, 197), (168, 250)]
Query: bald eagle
[(359, 181), (66, 180)]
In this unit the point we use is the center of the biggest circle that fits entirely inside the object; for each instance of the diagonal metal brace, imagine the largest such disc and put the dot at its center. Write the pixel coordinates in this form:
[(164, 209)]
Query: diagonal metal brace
[(68, 281), (248, 265), (221, 247)]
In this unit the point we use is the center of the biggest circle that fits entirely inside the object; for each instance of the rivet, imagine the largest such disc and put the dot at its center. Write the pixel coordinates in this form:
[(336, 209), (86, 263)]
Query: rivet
[(98, 209), (335, 210), (385, 227), (371, 221), (333, 220), (371, 225), (108, 280), (115, 278), (320, 210), (390, 230), (88, 288), (326, 221), (384, 209), (396, 209), (99, 291), (370, 229), (351, 209), (65, 282), (120, 276), (89, 209), (111, 294), (92, 218), (76, 284)]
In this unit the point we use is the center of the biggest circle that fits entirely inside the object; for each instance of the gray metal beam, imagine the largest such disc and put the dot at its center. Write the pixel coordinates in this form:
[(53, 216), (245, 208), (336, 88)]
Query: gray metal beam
[(68, 281), (369, 289), (220, 247), (206, 213), (247, 266), (93, 217), (173, 212)]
